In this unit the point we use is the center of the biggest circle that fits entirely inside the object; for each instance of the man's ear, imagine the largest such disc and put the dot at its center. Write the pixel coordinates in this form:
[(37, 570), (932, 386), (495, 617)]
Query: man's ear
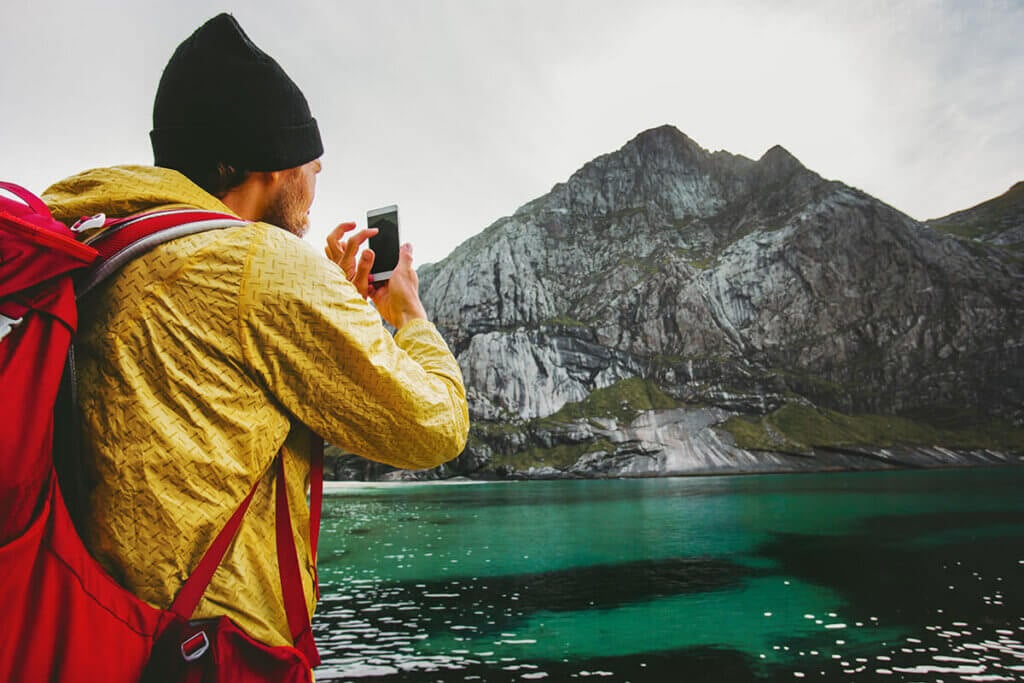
[(251, 197), (268, 178)]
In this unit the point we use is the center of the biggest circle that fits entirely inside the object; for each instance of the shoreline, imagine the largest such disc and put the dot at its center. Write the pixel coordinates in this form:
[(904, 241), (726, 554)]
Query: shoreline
[(334, 486)]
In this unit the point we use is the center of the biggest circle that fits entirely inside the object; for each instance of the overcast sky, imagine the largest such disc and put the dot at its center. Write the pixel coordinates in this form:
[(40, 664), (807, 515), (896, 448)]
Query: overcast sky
[(460, 111)]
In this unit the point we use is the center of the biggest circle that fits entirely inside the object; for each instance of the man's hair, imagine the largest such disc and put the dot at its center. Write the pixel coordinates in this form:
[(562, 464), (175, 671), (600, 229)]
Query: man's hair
[(217, 179)]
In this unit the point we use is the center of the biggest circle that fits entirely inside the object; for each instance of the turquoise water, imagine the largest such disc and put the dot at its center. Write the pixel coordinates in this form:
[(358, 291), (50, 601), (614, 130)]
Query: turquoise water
[(862, 576)]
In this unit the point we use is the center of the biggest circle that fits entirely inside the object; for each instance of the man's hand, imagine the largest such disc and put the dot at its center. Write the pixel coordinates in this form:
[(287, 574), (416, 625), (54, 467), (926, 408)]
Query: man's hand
[(398, 299), (343, 248)]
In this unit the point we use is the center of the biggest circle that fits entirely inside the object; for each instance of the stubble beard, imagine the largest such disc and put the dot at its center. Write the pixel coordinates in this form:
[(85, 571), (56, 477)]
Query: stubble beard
[(289, 210)]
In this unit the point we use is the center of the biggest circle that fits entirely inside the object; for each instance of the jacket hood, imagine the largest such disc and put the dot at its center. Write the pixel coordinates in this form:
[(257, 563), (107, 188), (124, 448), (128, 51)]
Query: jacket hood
[(123, 190)]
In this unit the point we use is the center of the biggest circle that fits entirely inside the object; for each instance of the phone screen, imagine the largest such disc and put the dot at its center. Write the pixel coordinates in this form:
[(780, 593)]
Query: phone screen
[(385, 242)]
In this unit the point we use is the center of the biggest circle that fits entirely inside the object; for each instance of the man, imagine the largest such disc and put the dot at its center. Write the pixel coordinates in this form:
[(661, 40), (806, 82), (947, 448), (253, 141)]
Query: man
[(203, 358)]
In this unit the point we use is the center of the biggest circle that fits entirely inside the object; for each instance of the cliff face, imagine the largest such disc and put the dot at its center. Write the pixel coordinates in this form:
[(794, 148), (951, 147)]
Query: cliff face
[(673, 310)]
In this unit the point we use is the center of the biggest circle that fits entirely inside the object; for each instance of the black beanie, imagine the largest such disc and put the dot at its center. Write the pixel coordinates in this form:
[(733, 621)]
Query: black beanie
[(222, 99)]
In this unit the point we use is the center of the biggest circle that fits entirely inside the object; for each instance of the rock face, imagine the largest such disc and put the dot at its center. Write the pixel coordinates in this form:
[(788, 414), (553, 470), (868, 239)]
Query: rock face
[(732, 289)]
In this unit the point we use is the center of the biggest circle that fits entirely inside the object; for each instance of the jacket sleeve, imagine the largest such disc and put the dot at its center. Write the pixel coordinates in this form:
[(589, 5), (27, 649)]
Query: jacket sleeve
[(323, 352)]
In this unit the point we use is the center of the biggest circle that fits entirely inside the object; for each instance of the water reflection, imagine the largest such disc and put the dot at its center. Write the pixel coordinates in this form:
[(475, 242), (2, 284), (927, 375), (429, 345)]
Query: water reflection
[(417, 592), (376, 635)]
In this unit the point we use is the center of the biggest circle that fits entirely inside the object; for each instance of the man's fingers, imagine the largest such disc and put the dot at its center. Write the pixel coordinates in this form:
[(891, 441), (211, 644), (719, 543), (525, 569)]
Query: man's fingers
[(335, 242), (351, 244), (405, 253), (362, 276), (340, 230), (363, 235), (343, 246)]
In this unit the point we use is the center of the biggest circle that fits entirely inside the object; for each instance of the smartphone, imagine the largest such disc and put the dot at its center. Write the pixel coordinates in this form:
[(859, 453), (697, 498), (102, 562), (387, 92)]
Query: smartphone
[(385, 242)]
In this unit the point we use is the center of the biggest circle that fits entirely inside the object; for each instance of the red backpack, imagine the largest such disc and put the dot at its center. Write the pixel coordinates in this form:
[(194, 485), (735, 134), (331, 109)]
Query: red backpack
[(64, 618)]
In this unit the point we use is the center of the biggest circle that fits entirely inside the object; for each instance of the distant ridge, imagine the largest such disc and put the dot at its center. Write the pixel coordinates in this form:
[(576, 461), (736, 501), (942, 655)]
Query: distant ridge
[(997, 221)]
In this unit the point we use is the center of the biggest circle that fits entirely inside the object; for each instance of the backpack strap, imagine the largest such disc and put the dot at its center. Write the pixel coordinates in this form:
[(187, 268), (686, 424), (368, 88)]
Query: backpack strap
[(299, 621), (191, 592), (34, 203), (128, 238), (316, 501)]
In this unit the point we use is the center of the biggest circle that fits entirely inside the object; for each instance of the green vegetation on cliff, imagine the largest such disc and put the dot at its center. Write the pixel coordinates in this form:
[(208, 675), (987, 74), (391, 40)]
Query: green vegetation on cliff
[(986, 219), (561, 456), (622, 401), (799, 428)]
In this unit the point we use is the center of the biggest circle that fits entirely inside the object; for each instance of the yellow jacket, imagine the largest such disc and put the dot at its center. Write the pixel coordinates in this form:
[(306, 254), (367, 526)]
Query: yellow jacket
[(199, 360)]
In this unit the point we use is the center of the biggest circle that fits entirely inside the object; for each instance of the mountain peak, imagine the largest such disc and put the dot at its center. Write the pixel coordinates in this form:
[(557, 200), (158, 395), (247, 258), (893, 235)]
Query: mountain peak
[(778, 158), (662, 132), (665, 138)]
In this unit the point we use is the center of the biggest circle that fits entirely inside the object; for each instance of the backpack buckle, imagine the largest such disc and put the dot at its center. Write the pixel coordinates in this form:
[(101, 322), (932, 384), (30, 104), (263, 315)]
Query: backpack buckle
[(195, 647), (7, 325), (89, 222)]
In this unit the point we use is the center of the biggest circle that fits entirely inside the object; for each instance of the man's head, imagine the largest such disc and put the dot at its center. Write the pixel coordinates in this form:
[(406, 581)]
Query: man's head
[(225, 109)]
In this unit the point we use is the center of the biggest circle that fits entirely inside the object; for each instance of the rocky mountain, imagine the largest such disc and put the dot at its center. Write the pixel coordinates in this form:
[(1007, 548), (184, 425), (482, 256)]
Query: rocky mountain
[(999, 221), (669, 309)]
